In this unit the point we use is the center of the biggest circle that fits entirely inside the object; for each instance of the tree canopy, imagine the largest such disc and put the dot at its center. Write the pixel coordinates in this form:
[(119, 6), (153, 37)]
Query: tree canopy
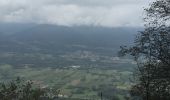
[(152, 54)]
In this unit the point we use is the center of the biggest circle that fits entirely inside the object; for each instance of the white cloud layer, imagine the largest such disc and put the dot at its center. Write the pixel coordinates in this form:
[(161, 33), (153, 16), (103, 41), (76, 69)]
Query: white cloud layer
[(108, 13)]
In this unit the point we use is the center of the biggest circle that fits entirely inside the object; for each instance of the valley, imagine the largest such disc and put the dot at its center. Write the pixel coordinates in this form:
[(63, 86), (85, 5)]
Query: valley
[(81, 62)]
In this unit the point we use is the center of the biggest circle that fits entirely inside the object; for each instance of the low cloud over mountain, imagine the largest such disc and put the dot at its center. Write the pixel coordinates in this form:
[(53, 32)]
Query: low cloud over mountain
[(108, 13)]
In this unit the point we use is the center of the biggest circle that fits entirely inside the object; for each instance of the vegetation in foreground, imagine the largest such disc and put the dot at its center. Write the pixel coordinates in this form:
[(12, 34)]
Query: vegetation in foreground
[(152, 54)]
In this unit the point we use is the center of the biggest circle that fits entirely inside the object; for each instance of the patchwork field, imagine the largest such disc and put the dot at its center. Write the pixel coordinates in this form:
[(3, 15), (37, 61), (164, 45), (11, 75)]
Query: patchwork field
[(75, 82)]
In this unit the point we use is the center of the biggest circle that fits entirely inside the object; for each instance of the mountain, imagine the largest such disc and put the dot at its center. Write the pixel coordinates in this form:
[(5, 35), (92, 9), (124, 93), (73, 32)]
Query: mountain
[(62, 43), (94, 35), (51, 36)]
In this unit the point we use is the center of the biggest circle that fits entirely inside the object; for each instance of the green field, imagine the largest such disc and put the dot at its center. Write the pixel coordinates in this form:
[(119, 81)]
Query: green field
[(74, 82)]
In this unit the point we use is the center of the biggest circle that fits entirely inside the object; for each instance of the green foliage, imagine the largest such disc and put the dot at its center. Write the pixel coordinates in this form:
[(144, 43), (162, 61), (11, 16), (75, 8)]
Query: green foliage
[(19, 90), (25, 90), (152, 54)]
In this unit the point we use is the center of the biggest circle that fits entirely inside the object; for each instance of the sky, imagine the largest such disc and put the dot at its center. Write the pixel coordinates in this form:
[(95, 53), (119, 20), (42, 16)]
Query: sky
[(107, 13)]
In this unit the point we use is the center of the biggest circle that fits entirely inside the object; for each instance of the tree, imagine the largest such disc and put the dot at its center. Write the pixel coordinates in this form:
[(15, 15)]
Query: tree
[(25, 90), (152, 54)]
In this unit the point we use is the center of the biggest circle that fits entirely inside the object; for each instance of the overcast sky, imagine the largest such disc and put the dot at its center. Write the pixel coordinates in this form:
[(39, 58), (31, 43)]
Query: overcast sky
[(108, 13)]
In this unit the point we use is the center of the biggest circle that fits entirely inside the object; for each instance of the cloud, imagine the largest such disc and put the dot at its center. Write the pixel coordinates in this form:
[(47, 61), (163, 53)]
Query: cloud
[(108, 13)]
